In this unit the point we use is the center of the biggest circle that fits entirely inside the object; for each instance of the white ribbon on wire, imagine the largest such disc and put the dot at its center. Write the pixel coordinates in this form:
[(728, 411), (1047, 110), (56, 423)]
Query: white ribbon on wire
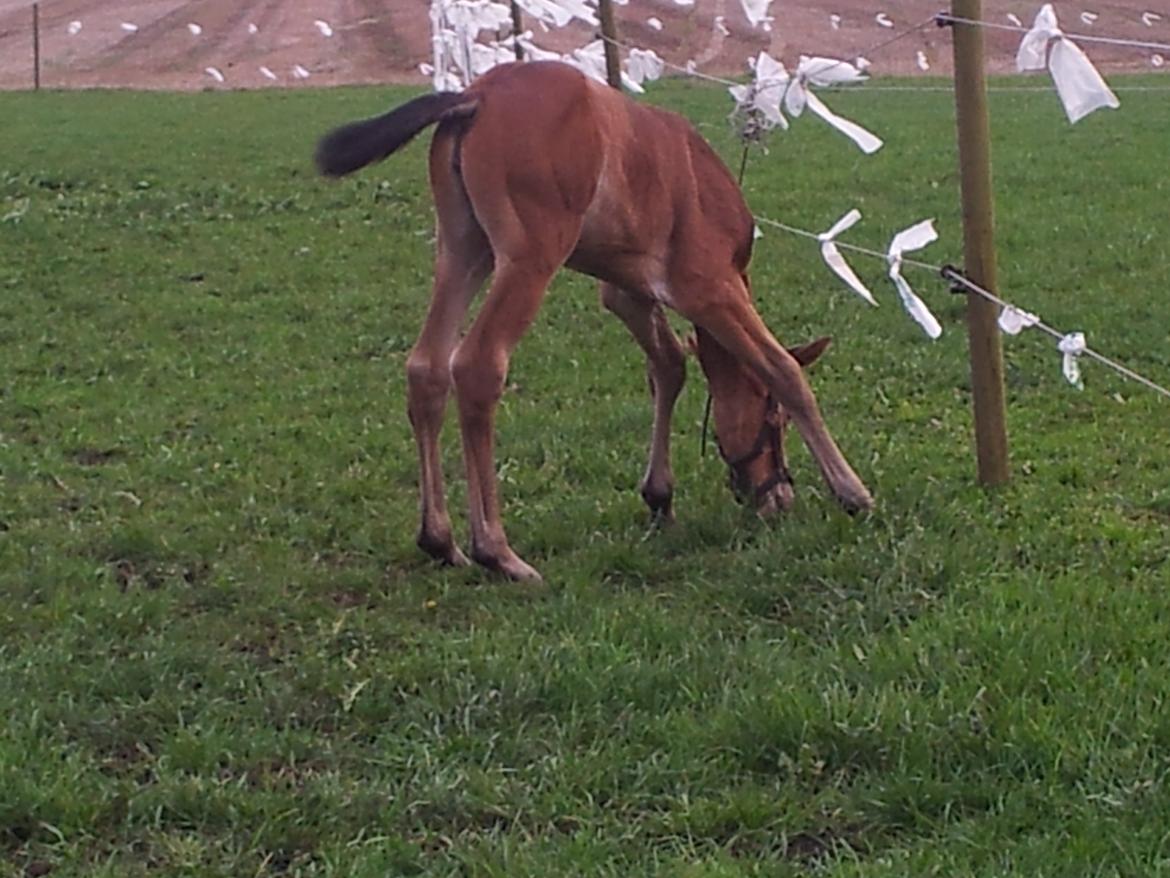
[(474, 16), (1072, 346), (590, 60), (457, 56), (444, 47), (914, 238), (1080, 86), (765, 93), (773, 86), (757, 12), (486, 56), (533, 52), (1013, 320), (644, 65), (836, 261), (558, 13), (799, 96), (828, 71)]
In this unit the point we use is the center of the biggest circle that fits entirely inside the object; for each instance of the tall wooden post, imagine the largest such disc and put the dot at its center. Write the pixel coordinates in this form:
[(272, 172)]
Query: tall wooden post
[(974, 132), (517, 24), (36, 24), (613, 67)]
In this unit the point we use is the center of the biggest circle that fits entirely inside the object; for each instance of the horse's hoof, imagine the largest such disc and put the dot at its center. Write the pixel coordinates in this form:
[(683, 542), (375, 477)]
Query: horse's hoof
[(509, 564), (441, 549), (660, 503), (857, 502)]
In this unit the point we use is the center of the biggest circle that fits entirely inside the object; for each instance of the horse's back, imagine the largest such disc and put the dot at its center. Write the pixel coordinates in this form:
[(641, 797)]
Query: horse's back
[(642, 181), (536, 128)]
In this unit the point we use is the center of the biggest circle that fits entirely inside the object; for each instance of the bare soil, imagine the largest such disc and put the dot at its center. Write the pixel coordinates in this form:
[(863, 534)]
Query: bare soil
[(385, 40)]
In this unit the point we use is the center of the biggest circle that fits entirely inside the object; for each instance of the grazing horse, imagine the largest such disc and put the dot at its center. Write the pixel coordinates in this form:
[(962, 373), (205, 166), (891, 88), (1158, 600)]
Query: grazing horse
[(534, 167)]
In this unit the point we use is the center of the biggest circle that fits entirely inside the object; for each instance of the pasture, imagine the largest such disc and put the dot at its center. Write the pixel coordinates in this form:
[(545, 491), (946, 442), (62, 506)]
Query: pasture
[(221, 653)]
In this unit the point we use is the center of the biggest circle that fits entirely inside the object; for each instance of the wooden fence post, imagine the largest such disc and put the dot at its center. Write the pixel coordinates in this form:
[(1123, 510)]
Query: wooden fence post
[(517, 24), (36, 25), (974, 133), (613, 68)]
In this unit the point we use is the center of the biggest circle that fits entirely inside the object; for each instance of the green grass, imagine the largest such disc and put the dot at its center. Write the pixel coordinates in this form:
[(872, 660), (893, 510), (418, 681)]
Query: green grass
[(221, 654)]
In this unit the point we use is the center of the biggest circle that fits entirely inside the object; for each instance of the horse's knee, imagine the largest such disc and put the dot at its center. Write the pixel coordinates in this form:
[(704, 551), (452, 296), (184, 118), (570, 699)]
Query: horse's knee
[(478, 376), (427, 384)]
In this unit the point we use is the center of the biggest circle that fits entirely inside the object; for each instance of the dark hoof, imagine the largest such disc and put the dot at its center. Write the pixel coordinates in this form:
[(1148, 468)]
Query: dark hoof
[(661, 505), (442, 549), (856, 506)]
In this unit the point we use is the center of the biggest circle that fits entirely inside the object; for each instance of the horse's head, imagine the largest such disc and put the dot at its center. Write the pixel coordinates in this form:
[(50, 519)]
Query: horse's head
[(750, 425)]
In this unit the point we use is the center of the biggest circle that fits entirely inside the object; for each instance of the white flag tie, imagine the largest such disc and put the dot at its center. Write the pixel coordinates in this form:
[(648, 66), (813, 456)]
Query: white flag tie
[(1072, 346), (914, 238), (643, 65), (766, 92), (1013, 321), (826, 70), (1080, 86), (836, 261), (756, 11)]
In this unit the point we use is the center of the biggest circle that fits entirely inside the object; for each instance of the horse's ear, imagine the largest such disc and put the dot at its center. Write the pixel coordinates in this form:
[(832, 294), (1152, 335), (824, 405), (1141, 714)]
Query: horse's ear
[(807, 354)]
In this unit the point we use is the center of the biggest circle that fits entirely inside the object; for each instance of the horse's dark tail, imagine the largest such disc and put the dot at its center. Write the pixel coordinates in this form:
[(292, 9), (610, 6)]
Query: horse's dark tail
[(353, 146)]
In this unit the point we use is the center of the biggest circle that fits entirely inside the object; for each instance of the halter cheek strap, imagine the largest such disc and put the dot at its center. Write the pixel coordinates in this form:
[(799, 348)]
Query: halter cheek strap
[(767, 439)]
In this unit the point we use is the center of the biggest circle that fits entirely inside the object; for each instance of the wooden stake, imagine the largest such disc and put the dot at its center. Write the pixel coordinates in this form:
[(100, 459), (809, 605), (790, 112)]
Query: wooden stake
[(974, 132), (36, 23), (613, 67), (517, 24)]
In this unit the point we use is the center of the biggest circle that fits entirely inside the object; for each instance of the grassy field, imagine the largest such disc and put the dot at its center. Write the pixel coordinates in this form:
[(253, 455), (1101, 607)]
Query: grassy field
[(221, 654)]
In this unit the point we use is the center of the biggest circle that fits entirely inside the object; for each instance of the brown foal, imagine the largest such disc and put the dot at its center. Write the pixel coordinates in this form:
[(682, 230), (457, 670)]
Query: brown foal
[(536, 166)]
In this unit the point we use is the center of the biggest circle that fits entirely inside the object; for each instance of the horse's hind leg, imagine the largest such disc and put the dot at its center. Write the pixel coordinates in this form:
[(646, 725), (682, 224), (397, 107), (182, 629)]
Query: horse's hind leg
[(666, 370), (463, 260), (479, 369)]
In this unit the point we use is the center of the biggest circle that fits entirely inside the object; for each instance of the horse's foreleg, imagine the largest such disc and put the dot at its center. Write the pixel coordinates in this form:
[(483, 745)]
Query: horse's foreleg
[(730, 317), (666, 370), (479, 369)]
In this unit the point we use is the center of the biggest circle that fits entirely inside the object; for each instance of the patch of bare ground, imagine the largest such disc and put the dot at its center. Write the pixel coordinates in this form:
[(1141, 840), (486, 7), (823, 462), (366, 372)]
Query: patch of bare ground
[(260, 43)]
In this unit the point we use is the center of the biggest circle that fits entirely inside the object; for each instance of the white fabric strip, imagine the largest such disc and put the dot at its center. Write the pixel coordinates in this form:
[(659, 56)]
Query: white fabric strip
[(914, 238), (1080, 86), (1072, 346), (836, 261), (1013, 321)]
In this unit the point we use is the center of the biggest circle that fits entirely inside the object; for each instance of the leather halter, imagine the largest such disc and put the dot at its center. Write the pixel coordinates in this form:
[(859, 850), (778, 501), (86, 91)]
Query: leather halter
[(768, 439)]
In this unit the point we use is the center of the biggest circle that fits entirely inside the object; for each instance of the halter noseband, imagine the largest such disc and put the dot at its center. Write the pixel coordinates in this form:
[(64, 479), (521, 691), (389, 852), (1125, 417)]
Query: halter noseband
[(767, 439)]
